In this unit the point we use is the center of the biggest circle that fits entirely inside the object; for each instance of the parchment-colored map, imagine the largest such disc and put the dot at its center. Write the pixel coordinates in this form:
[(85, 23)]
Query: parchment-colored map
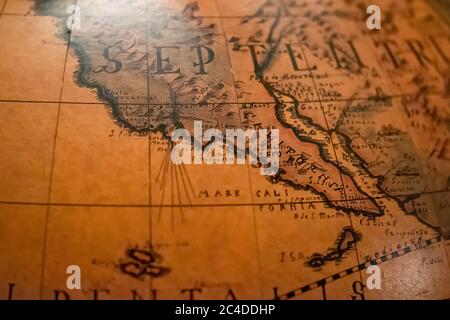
[(90, 92)]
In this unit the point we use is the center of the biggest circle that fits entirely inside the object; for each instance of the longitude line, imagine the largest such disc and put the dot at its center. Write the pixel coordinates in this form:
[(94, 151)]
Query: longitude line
[(3, 8), (332, 145), (248, 168), (150, 211), (47, 213)]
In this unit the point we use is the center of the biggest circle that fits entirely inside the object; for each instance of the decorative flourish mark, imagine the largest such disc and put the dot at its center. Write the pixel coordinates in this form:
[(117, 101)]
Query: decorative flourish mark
[(142, 262)]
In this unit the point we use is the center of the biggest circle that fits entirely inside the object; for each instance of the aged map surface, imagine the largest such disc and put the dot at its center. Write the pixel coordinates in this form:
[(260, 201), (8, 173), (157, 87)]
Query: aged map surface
[(91, 90)]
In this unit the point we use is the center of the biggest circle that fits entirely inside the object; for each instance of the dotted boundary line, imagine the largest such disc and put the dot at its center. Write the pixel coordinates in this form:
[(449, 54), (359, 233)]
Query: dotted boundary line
[(320, 283)]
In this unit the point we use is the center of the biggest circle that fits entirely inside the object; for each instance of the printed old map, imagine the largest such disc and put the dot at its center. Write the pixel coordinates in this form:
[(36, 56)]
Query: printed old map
[(90, 92)]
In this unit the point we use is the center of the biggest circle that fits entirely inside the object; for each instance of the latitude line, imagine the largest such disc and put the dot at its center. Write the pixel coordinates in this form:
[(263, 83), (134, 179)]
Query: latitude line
[(118, 16), (279, 203), (368, 98)]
